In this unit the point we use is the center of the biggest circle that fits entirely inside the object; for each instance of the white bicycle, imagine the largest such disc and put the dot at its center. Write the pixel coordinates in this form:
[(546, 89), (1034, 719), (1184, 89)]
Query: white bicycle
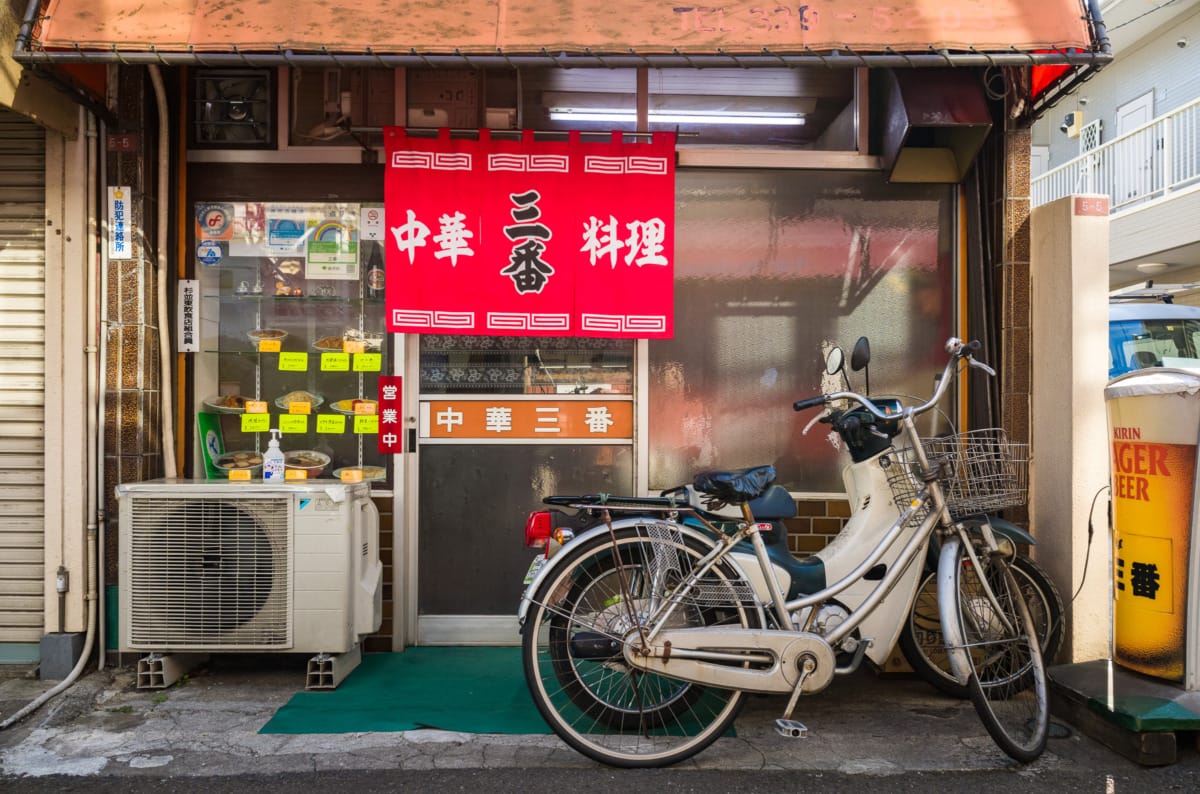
[(654, 616)]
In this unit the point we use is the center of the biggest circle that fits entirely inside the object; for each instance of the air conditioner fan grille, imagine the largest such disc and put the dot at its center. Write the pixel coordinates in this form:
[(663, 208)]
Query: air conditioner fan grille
[(209, 573)]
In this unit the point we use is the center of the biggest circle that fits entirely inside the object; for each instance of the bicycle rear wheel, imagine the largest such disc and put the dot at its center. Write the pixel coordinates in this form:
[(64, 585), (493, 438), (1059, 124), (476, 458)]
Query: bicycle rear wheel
[(925, 649), (992, 639), (575, 667)]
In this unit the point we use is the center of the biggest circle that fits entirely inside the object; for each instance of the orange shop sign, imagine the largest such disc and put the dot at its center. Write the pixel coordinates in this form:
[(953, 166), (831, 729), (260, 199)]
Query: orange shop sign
[(543, 420)]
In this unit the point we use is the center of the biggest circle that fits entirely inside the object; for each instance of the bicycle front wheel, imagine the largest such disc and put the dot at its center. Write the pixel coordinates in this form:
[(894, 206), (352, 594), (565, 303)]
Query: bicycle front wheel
[(925, 649), (573, 658), (992, 639)]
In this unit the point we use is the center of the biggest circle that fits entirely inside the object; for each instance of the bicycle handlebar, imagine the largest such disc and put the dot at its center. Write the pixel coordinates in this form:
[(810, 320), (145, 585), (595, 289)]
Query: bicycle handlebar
[(957, 349), (811, 402)]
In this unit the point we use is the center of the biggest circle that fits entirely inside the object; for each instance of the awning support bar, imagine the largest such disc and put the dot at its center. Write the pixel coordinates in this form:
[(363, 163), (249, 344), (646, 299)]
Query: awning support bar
[(23, 54)]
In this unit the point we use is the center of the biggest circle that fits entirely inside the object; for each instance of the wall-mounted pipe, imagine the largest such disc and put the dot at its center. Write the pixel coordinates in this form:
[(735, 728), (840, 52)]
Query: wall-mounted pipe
[(167, 409)]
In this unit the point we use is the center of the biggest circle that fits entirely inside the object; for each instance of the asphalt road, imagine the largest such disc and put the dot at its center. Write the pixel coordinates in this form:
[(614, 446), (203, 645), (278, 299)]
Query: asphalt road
[(1183, 776)]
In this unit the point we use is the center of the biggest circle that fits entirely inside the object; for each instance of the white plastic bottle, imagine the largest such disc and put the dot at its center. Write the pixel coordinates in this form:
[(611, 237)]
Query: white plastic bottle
[(273, 467)]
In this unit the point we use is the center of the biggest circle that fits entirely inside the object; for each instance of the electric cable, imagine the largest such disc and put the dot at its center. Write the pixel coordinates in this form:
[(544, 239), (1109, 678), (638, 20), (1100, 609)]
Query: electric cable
[(1087, 553)]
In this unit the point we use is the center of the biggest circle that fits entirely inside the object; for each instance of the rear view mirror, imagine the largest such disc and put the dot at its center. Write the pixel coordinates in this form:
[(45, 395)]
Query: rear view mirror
[(835, 361), (861, 355)]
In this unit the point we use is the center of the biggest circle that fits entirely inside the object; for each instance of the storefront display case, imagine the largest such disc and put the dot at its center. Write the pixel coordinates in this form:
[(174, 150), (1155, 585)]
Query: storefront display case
[(291, 337)]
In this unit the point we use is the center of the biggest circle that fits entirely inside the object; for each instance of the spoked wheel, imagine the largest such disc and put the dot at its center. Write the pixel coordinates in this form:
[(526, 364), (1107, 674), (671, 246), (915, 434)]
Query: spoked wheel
[(994, 638), (573, 657), (925, 649)]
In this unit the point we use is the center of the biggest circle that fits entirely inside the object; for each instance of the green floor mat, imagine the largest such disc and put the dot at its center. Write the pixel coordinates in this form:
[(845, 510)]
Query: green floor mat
[(465, 689)]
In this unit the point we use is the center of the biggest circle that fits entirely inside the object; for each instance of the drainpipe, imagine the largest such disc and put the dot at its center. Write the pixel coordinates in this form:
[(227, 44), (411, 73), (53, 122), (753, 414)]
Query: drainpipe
[(101, 506), (92, 569), (167, 409)]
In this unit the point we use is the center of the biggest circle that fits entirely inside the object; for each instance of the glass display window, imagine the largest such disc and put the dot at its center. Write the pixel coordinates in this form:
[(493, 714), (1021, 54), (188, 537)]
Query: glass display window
[(292, 338)]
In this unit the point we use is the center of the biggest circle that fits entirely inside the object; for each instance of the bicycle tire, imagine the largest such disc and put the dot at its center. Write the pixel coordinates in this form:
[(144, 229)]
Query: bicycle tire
[(595, 702), (613, 711), (921, 638), (991, 637)]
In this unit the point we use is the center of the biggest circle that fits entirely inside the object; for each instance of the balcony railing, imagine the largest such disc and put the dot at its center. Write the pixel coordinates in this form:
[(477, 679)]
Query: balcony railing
[(1153, 160)]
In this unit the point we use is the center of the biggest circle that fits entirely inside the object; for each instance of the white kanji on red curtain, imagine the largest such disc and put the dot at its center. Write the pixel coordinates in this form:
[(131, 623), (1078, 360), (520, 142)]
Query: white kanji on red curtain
[(530, 238)]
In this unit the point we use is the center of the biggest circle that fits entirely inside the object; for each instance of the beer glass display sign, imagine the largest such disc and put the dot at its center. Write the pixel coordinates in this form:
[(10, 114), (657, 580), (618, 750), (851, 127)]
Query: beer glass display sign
[(1153, 421)]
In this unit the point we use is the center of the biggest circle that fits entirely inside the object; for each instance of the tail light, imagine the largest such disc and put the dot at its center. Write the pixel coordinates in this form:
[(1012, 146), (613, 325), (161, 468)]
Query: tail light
[(538, 528)]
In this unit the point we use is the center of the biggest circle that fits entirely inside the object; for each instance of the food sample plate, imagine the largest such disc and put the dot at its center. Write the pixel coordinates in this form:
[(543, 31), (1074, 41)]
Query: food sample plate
[(368, 472), (347, 406), (310, 460), (240, 459), (265, 334), (330, 344), (336, 343), (228, 404), (299, 396)]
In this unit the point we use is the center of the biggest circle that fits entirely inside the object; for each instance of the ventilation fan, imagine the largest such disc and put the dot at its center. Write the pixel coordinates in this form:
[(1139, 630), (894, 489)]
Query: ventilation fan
[(233, 109), (209, 567)]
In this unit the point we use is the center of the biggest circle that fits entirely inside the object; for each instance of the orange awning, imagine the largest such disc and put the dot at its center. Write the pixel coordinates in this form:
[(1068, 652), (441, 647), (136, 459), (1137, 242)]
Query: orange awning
[(624, 29)]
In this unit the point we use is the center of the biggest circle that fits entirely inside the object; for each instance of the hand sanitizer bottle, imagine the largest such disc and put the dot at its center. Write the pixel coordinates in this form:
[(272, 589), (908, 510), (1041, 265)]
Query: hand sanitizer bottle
[(273, 467)]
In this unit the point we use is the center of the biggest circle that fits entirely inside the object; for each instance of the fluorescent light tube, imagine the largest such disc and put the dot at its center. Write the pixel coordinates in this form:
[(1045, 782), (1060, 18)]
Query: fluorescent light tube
[(764, 118)]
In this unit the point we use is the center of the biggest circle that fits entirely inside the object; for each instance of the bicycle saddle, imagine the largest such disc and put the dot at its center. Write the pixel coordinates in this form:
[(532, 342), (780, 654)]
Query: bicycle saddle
[(736, 486)]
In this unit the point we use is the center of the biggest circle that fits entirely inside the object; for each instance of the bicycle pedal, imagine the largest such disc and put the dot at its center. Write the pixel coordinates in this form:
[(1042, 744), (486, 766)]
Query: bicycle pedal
[(791, 729)]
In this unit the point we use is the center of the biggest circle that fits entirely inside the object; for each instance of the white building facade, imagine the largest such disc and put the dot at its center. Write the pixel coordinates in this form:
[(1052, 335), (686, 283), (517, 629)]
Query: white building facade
[(1133, 133)]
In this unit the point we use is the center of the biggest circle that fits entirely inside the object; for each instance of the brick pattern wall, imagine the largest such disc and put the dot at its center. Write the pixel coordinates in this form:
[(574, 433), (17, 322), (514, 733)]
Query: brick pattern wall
[(382, 640), (817, 522)]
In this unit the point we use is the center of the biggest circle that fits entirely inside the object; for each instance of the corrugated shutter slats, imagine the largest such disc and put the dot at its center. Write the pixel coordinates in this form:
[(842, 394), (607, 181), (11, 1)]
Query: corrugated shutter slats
[(22, 376)]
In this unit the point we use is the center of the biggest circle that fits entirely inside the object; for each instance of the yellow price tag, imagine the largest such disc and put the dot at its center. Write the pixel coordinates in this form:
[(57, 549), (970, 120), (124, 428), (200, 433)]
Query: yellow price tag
[(366, 407), (256, 406), (293, 362), (353, 346), (351, 475), (368, 362), (239, 474), (256, 423), (269, 345), (292, 423), (299, 408), (295, 474), (366, 424), (331, 423), (335, 362)]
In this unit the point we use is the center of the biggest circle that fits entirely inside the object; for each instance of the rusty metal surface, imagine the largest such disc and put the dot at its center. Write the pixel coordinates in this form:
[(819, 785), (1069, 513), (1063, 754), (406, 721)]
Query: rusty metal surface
[(526, 26)]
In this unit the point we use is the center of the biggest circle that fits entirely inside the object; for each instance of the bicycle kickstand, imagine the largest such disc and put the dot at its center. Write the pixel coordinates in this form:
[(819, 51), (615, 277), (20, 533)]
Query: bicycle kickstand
[(786, 726)]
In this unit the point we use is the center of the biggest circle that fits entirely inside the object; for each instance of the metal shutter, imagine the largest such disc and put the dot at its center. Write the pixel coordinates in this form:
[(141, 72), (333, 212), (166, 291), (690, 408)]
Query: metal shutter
[(22, 376)]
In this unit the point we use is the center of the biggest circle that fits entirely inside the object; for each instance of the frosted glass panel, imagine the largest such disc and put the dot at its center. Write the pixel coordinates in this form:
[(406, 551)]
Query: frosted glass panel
[(772, 268)]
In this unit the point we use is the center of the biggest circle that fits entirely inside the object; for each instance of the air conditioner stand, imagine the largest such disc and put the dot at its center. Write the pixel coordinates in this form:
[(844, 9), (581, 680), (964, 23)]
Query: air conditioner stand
[(326, 670), (159, 670)]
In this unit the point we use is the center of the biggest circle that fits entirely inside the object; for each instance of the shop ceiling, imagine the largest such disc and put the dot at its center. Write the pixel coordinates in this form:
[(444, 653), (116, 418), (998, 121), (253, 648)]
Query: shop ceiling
[(578, 33)]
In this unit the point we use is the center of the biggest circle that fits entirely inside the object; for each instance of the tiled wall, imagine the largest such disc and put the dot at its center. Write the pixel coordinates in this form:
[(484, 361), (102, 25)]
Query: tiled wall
[(132, 444), (1015, 376)]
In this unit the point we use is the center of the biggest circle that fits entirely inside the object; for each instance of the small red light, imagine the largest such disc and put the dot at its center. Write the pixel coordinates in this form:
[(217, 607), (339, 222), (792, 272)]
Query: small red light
[(538, 527)]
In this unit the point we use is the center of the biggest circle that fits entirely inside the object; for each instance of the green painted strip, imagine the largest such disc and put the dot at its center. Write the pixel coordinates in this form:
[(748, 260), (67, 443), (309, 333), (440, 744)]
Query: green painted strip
[(1144, 713), (19, 652)]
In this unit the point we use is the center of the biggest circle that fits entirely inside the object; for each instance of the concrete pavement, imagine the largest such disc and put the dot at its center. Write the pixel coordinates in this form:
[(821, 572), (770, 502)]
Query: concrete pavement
[(104, 726)]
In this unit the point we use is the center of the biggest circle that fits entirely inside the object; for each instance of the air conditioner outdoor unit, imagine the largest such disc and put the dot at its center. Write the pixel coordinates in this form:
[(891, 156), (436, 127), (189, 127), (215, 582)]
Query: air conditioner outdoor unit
[(248, 567)]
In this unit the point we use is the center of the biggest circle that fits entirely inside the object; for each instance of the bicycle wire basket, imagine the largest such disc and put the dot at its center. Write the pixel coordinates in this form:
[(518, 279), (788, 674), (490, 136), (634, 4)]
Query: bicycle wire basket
[(980, 471)]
